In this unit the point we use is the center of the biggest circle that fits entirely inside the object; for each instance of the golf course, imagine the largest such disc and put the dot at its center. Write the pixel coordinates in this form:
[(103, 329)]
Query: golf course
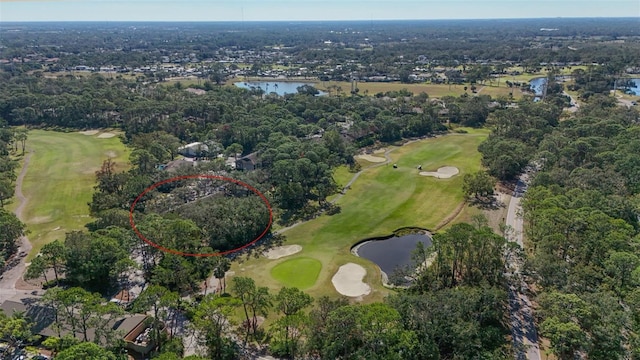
[(59, 180), (382, 199)]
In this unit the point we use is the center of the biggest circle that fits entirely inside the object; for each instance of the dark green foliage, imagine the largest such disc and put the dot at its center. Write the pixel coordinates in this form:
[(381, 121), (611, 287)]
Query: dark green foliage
[(463, 322), (12, 230), (91, 259), (372, 331), (478, 185), (582, 227), (86, 350), (515, 135), (464, 255)]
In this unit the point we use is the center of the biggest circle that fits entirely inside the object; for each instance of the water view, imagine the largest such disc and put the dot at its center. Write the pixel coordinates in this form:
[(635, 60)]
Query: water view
[(537, 85), (393, 253), (279, 87), (634, 88)]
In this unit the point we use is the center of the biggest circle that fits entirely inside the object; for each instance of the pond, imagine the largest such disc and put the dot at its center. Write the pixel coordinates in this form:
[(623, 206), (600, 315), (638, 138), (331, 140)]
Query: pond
[(537, 86), (633, 86), (279, 87), (393, 253)]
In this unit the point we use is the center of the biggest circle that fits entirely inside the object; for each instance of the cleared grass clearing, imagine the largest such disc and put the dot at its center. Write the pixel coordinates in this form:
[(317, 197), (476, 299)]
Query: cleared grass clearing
[(59, 181), (383, 199)]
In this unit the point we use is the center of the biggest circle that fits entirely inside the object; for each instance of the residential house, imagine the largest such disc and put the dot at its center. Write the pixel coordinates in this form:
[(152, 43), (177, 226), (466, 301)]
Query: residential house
[(134, 328), (248, 162), (194, 149)]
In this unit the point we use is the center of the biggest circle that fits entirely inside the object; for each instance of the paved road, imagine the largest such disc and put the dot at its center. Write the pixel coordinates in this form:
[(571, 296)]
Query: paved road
[(523, 327)]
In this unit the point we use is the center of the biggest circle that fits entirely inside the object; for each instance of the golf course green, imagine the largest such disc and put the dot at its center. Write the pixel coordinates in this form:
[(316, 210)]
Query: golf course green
[(300, 272), (59, 180), (380, 201)]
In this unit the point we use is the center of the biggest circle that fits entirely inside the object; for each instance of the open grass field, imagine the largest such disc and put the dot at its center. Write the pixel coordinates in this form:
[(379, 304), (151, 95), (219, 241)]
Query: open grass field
[(59, 181), (433, 90), (301, 272), (185, 82), (382, 200), (372, 88)]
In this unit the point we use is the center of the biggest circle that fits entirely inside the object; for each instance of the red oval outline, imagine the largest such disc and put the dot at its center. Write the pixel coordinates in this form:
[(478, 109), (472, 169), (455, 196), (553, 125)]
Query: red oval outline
[(199, 176)]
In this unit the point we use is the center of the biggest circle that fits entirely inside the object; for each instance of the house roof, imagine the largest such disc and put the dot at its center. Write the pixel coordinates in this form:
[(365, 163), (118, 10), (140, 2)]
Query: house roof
[(44, 319), (176, 164), (127, 324), (252, 158), (195, 146)]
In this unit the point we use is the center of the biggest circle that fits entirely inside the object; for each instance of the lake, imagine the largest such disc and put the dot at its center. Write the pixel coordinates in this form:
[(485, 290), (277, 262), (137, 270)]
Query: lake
[(279, 87), (393, 253), (538, 84)]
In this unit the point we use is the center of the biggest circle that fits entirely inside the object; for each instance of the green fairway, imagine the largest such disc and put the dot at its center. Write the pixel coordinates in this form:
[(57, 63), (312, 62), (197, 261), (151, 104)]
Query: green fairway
[(301, 272), (382, 200), (59, 181)]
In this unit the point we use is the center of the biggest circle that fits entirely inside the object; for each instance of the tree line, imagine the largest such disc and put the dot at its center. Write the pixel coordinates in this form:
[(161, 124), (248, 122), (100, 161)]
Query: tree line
[(12, 141), (581, 220)]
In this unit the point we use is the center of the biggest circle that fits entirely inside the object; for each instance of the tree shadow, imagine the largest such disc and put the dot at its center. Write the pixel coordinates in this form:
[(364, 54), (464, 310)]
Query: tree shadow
[(490, 202)]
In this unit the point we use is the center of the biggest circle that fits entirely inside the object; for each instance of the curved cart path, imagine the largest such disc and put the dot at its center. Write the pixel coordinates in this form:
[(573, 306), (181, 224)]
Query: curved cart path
[(448, 219), (344, 189), (12, 276)]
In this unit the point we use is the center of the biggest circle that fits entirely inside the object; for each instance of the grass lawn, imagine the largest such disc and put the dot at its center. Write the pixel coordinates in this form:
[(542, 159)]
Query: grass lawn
[(342, 175), (382, 200), (301, 272), (59, 181), (185, 82), (372, 88), (495, 91)]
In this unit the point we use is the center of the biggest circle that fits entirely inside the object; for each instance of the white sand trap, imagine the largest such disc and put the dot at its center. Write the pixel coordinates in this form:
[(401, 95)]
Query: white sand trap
[(444, 172), (89, 132), (380, 151), (371, 158), (348, 280), (282, 251), (106, 135)]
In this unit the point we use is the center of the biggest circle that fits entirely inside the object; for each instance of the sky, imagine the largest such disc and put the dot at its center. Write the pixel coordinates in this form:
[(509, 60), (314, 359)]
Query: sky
[(301, 10)]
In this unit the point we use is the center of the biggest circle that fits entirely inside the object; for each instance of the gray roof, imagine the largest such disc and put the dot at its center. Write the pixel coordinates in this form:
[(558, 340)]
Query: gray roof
[(44, 319)]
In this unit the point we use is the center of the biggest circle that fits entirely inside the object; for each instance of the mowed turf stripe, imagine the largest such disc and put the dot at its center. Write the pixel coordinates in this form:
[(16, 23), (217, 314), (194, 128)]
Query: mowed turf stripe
[(60, 179), (381, 200)]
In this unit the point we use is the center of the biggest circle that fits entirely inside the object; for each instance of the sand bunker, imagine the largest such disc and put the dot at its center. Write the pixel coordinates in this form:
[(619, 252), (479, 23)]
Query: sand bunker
[(89, 132), (371, 158), (282, 251), (348, 280), (106, 135), (444, 172)]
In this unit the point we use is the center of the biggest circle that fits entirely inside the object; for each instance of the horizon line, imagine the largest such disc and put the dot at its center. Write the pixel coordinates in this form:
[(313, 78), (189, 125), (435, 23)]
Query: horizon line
[(316, 20)]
